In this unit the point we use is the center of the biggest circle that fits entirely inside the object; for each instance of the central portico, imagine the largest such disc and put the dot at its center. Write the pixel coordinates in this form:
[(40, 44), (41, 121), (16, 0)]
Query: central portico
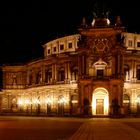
[(100, 67)]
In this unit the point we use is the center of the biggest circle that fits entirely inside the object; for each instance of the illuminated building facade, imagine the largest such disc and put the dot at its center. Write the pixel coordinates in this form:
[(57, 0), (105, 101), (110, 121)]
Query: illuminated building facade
[(94, 72)]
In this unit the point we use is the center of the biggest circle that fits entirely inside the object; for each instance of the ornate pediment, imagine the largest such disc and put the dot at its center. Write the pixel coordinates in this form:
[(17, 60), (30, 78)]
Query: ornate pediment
[(100, 64)]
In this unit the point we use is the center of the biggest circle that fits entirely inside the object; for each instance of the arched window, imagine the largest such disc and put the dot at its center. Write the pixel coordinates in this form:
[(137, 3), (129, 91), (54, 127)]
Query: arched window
[(38, 77), (48, 104), (126, 98), (126, 103), (14, 105), (61, 74), (48, 76), (126, 72), (61, 101)]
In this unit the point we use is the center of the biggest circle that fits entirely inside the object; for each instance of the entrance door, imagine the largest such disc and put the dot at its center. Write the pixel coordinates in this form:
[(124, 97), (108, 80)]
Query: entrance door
[(99, 106)]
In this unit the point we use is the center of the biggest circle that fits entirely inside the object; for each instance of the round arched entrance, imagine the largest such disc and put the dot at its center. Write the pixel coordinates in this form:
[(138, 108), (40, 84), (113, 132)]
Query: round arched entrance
[(100, 102)]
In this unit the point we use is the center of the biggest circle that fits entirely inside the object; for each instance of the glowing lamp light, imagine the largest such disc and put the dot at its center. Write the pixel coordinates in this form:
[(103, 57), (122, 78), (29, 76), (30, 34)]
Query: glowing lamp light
[(62, 100), (36, 101), (74, 101), (20, 102), (48, 101), (106, 105), (27, 102), (108, 22)]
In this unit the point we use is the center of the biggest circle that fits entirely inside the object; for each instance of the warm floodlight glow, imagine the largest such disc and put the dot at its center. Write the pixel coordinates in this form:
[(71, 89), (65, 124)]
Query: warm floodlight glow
[(94, 104), (20, 102), (108, 21), (138, 100), (74, 101), (27, 101), (48, 101), (93, 22), (62, 100), (106, 104), (100, 94), (36, 101)]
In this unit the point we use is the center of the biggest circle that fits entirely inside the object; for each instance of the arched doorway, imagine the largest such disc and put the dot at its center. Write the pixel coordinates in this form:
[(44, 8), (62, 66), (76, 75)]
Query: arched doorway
[(61, 101), (100, 102)]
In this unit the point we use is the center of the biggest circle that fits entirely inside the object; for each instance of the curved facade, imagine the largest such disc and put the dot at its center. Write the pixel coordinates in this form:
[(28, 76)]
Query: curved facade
[(94, 72)]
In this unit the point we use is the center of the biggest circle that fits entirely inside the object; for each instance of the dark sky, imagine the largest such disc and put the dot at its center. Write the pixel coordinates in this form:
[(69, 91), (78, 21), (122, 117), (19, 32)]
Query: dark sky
[(26, 26)]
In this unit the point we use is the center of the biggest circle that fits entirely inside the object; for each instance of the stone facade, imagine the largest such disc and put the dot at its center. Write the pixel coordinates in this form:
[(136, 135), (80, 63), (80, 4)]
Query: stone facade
[(95, 72)]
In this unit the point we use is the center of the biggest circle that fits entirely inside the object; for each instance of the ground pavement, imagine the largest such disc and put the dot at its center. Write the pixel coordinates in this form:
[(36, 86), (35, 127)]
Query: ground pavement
[(107, 130)]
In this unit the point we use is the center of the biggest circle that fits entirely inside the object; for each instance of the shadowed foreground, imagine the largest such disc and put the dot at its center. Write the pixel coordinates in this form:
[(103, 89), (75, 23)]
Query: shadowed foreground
[(42, 128)]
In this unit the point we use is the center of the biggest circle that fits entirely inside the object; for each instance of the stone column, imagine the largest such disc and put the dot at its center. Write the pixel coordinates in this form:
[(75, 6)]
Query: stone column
[(55, 71), (66, 72), (131, 71), (69, 74)]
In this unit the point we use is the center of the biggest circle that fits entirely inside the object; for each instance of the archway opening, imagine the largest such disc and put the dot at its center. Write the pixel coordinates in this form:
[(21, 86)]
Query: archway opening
[(100, 102)]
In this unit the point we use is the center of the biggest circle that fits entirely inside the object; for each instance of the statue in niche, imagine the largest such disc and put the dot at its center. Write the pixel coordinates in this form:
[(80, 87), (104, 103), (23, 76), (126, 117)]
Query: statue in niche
[(14, 77)]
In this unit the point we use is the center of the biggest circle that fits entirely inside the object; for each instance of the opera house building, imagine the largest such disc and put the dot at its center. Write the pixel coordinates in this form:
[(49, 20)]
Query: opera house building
[(95, 72)]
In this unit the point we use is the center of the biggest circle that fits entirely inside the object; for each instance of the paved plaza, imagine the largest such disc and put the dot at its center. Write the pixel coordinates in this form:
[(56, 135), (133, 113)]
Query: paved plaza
[(59, 128), (107, 129)]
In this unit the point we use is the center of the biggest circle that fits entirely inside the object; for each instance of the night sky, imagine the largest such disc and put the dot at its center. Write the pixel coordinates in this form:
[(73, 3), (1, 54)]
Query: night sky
[(26, 26)]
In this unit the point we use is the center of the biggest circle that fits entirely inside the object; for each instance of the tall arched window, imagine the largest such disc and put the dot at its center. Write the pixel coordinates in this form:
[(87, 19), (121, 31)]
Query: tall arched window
[(38, 77), (48, 76), (48, 104), (61, 101), (61, 74)]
